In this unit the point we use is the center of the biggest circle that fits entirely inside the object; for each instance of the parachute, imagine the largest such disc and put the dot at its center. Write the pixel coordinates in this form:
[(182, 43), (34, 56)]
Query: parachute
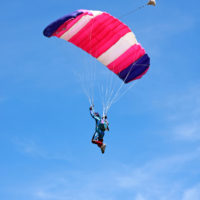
[(109, 41), (106, 38)]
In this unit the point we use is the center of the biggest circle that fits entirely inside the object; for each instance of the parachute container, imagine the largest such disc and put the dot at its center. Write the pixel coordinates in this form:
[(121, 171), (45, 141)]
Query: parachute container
[(106, 38)]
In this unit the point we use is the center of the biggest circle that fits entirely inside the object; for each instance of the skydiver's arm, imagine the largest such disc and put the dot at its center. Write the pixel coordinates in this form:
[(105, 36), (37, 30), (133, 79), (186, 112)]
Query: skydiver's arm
[(92, 111), (107, 128), (93, 115), (107, 125)]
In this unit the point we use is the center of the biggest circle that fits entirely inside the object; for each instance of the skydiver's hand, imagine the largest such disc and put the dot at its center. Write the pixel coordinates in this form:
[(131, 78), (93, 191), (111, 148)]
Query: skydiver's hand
[(91, 107)]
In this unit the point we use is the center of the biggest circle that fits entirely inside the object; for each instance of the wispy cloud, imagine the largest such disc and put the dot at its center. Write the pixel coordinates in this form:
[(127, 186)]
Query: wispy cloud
[(161, 30), (140, 197), (185, 103), (31, 148), (175, 24), (154, 180), (189, 131), (192, 193), (183, 113), (157, 178)]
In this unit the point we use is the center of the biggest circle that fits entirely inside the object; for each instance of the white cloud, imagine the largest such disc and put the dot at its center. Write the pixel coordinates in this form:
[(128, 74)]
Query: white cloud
[(185, 104), (31, 148), (157, 33), (140, 197), (155, 180), (190, 131), (183, 113), (192, 193)]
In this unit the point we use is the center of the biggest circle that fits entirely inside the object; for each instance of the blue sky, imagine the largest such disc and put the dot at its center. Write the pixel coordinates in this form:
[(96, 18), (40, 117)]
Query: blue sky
[(153, 147)]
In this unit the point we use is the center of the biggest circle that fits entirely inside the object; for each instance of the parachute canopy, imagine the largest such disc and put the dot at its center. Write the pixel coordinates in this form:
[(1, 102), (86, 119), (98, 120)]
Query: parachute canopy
[(106, 38)]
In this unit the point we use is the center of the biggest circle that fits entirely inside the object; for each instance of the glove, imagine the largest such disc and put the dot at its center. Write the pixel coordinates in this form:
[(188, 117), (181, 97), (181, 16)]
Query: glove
[(90, 107)]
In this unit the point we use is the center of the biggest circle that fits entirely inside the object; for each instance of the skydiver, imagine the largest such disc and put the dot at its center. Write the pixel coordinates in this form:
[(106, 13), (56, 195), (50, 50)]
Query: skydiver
[(101, 127)]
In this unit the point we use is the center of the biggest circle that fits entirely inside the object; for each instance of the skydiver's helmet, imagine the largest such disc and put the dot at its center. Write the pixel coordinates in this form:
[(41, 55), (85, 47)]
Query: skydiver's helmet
[(104, 117), (97, 114)]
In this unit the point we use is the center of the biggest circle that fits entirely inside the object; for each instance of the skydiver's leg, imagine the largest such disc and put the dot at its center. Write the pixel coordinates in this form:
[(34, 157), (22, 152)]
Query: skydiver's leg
[(99, 143), (96, 140), (100, 138), (101, 135), (94, 137)]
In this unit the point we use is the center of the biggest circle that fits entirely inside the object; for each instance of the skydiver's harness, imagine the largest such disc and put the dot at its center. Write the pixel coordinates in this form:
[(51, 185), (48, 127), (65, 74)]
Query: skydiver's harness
[(103, 126)]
